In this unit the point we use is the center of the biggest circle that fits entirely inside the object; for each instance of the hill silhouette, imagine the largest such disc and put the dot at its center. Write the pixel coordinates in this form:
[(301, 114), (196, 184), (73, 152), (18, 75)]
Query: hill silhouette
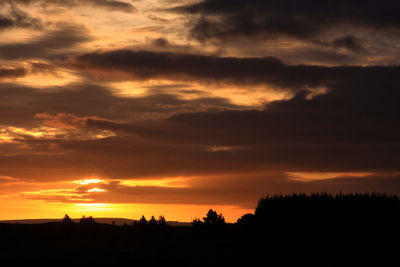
[(317, 229), (108, 220)]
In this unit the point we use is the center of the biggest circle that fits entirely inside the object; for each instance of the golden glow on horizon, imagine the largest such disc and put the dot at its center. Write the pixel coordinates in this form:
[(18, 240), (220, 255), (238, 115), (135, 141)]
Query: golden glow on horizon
[(93, 207), (315, 176), (54, 203), (16, 208)]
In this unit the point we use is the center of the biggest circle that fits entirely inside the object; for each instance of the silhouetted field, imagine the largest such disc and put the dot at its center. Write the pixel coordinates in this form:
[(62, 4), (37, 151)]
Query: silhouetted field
[(317, 230)]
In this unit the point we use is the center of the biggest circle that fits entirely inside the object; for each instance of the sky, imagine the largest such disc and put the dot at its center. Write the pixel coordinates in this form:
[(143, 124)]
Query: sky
[(172, 107)]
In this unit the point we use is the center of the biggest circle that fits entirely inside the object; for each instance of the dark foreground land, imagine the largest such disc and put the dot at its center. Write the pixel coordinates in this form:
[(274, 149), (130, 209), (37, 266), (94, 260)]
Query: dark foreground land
[(317, 230)]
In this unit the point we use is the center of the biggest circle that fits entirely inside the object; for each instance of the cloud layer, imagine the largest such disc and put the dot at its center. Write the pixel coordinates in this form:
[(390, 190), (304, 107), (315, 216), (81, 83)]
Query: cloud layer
[(208, 103), (306, 20)]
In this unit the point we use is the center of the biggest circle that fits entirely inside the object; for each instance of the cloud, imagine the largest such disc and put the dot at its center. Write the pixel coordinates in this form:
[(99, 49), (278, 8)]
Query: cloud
[(349, 126), (90, 100), (50, 45), (111, 5), (62, 120), (146, 65), (6, 22), (25, 70), (15, 17), (12, 72), (240, 190), (349, 42), (157, 19), (311, 20)]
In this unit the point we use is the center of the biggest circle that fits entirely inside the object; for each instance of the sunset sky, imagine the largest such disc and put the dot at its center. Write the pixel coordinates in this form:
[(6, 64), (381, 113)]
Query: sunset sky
[(173, 107)]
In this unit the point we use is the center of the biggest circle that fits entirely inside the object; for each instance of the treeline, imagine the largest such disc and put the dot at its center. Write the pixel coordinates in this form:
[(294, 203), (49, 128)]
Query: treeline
[(297, 208), (276, 212), (294, 208), (316, 229), (142, 221)]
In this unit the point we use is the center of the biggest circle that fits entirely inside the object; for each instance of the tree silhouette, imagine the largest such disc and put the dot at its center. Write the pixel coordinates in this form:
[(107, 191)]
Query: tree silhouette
[(152, 221), (66, 219), (246, 219), (197, 222), (213, 218), (87, 220), (143, 220), (161, 221)]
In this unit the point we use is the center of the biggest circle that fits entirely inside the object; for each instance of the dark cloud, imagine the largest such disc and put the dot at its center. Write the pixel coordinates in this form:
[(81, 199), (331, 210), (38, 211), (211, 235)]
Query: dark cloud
[(351, 128), (6, 22), (19, 104), (35, 67), (15, 17), (50, 45), (324, 56), (111, 5), (12, 72), (143, 65), (308, 20), (160, 42), (41, 67), (352, 125), (349, 42), (158, 19)]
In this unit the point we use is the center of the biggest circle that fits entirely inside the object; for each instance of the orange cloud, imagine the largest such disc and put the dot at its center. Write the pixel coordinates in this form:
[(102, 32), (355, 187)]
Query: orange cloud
[(62, 120)]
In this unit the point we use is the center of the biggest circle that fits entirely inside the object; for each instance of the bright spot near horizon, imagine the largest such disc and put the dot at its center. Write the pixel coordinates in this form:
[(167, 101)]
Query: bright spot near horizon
[(88, 181), (92, 207), (96, 190)]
